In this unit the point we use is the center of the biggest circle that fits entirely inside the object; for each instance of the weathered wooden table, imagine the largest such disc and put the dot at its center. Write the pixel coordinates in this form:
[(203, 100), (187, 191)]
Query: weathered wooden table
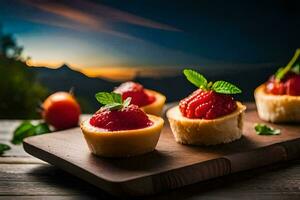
[(25, 177)]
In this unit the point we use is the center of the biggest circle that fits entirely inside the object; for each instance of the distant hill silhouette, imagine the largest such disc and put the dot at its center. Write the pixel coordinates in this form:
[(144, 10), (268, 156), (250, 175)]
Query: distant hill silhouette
[(174, 87), (64, 78)]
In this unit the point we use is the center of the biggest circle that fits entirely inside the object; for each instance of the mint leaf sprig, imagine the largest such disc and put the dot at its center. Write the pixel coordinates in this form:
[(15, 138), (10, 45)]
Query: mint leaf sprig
[(3, 147), (27, 129), (112, 100), (262, 129), (291, 66), (201, 82)]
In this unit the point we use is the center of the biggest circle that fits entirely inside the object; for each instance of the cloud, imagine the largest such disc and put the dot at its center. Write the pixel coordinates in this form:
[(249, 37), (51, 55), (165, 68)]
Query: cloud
[(78, 27), (69, 13), (85, 15), (121, 16)]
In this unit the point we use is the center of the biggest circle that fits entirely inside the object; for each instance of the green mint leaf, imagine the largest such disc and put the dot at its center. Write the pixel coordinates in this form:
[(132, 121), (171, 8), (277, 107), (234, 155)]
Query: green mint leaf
[(219, 86), (107, 98), (112, 101), (27, 129), (195, 78), (113, 106), (3, 147), (224, 87), (127, 101), (262, 129), (41, 128), (283, 71), (117, 97)]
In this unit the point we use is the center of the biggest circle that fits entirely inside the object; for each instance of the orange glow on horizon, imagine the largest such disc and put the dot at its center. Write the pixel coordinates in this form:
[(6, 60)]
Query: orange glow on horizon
[(119, 73), (114, 73), (49, 64), (128, 73)]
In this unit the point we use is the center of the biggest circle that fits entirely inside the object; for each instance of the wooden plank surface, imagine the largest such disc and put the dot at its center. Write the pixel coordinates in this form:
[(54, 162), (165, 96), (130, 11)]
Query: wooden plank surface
[(280, 181), (170, 166)]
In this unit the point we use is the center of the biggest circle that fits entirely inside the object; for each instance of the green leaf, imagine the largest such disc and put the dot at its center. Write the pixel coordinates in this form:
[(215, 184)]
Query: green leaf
[(195, 78), (283, 71), (117, 97), (107, 98), (3, 147), (225, 88), (41, 128), (262, 129), (112, 101), (219, 86), (113, 106), (27, 129), (127, 102)]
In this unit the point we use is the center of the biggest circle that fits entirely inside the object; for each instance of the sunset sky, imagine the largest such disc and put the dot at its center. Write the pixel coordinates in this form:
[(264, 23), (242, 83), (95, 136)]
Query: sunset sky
[(134, 33)]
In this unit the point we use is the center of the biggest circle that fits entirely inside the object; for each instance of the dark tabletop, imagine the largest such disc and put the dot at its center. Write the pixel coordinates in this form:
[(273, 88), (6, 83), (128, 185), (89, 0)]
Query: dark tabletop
[(25, 177)]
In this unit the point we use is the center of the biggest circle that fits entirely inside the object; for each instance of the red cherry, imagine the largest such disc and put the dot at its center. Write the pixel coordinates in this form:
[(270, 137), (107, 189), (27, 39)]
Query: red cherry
[(293, 86), (136, 92), (277, 88), (127, 118), (289, 85)]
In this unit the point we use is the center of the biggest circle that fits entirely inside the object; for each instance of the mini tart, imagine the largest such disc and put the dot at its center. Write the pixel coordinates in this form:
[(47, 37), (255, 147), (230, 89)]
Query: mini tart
[(123, 143), (155, 108), (277, 108), (206, 132)]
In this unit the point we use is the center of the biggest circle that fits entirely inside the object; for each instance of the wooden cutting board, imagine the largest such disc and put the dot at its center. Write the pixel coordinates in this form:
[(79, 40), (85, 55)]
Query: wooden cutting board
[(171, 165)]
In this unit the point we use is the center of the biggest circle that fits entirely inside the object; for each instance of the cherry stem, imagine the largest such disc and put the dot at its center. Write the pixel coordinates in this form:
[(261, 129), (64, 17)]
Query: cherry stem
[(288, 67)]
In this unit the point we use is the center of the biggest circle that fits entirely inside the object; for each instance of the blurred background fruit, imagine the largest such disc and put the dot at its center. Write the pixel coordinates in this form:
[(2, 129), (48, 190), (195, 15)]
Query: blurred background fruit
[(61, 110)]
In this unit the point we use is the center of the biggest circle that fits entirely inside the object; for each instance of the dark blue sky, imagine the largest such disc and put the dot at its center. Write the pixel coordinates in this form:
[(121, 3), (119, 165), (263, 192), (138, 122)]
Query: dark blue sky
[(153, 33)]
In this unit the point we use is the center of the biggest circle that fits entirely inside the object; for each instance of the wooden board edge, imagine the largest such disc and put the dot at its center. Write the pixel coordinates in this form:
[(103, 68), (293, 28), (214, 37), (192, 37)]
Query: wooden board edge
[(292, 148), (107, 186), (257, 157), (180, 177), (176, 178)]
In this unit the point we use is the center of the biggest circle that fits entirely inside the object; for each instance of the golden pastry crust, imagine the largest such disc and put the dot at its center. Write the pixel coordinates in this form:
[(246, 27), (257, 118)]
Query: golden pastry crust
[(156, 107), (277, 108), (206, 132), (123, 143)]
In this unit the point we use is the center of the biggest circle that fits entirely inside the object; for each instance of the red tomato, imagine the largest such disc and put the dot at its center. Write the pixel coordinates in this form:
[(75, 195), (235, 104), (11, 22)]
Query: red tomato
[(61, 110)]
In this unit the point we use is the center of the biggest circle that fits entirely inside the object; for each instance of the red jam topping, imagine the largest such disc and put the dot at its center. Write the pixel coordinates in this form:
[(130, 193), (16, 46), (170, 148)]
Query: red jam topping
[(207, 105), (127, 118), (136, 92), (290, 85)]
